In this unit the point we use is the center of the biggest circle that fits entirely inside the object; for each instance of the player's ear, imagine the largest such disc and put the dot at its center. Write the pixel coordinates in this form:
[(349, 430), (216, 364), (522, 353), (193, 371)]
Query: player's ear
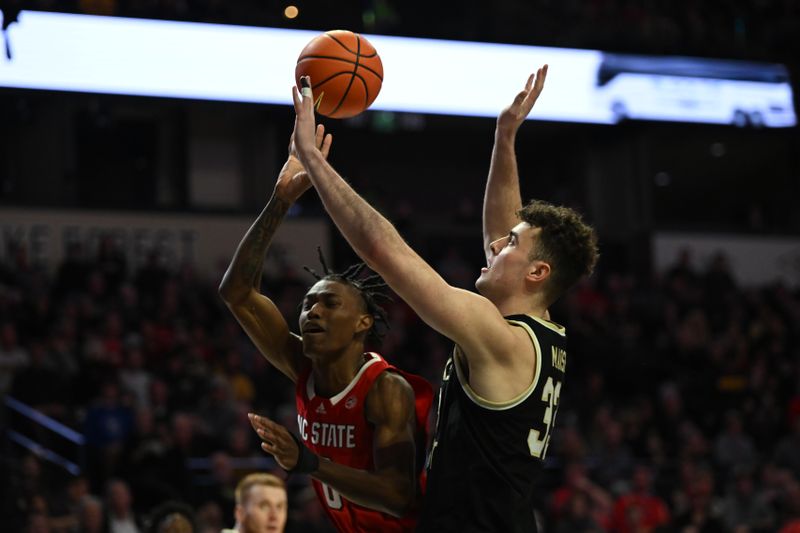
[(365, 322), (239, 513), (538, 271)]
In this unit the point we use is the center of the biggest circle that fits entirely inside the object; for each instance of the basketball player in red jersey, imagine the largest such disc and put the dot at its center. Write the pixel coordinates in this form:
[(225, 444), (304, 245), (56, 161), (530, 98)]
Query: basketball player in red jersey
[(361, 421)]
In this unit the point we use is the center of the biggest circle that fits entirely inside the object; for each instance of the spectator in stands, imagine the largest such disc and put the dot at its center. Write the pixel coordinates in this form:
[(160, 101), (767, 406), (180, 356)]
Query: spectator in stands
[(734, 448), (121, 518), (108, 424), (261, 504), (744, 507), (576, 483), (90, 516), (13, 357), (172, 517), (639, 510), (787, 453), (702, 516), (577, 516), (222, 485)]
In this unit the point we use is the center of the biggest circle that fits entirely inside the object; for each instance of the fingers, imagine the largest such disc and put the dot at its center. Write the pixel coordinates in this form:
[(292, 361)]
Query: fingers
[(303, 99), (326, 145), (298, 101), (541, 76), (306, 96), (271, 433), (529, 84), (276, 440), (320, 135), (533, 92), (533, 86), (305, 86), (262, 422)]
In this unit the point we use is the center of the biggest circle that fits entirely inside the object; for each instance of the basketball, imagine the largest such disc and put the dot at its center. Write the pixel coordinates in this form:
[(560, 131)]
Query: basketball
[(346, 73)]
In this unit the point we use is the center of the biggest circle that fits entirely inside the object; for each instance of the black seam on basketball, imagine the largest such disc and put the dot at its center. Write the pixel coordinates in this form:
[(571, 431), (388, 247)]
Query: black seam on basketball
[(352, 77), (334, 58), (326, 80), (373, 54), (366, 91), (329, 78)]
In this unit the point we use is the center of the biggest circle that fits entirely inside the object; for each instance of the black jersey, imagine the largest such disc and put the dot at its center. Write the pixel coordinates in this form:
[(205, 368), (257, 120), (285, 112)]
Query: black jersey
[(486, 456)]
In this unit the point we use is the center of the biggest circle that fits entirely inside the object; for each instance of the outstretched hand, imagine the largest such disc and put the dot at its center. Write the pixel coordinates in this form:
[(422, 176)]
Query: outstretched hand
[(276, 441), (512, 117), (293, 179)]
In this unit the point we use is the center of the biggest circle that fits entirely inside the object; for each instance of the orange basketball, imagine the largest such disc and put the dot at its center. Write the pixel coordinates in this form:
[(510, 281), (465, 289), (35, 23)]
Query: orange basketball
[(346, 73)]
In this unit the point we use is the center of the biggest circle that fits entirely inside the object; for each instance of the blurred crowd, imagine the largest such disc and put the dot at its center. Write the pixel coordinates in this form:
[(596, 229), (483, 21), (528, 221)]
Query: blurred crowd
[(757, 29), (681, 411)]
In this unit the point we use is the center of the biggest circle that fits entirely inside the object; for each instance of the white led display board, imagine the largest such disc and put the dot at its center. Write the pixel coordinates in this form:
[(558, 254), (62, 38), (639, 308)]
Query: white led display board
[(114, 55)]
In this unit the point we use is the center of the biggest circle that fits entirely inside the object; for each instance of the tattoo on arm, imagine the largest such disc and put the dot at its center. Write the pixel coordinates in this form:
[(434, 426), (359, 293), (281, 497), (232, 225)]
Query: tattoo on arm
[(249, 259)]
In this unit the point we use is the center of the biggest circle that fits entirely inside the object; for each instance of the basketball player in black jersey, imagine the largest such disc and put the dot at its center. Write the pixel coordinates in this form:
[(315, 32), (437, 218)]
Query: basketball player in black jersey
[(502, 385)]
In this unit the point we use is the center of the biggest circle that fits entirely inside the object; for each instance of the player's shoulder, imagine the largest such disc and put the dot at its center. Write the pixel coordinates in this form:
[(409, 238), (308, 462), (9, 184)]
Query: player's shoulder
[(390, 385), (390, 395)]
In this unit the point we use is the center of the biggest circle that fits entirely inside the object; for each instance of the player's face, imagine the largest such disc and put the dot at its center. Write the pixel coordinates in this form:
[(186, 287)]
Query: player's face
[(264, 510), (509, 263), (332, 317)]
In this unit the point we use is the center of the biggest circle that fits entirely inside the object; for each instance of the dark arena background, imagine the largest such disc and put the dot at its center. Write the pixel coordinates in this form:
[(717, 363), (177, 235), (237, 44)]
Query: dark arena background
[(126, 382)]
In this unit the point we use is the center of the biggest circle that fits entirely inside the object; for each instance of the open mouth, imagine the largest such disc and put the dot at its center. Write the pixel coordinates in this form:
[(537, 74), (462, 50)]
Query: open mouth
[(312, 328)]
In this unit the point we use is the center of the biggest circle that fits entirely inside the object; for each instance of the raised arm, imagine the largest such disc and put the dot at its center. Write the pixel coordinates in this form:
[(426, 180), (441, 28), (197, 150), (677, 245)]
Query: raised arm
[(240, 287), (467, 318), (502, 199), (392, 486)]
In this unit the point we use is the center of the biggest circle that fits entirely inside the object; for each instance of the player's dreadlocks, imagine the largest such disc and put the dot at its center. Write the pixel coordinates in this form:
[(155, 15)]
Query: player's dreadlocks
[(368, 287)]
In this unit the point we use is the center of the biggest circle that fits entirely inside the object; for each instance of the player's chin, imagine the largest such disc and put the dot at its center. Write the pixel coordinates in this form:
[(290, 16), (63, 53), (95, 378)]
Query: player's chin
[(313, 344), (320, 349), (482, 283)]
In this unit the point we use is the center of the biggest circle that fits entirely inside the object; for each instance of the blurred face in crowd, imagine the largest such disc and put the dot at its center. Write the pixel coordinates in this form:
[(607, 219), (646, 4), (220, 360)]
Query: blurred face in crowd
[(119, 498), (175, 523), (264, 509), (333, 318), (92, 516), (38, 523), (641, 479)]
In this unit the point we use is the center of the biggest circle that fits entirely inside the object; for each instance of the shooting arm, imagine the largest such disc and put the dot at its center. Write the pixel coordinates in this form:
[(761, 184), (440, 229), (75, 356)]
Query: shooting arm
[(258, 315), (502, 198)]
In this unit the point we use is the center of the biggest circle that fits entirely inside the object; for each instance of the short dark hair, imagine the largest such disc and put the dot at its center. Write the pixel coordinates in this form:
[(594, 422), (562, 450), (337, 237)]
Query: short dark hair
[(565, 241), (369, 288)]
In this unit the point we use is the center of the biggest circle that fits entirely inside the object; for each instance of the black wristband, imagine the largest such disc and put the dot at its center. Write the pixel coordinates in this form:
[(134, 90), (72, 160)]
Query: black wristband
[(307, 461)]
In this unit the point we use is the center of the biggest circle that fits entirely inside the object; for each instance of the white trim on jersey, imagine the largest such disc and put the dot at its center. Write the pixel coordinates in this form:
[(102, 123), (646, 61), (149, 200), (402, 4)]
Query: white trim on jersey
[(558, 328), (502, 406), (335, 399)]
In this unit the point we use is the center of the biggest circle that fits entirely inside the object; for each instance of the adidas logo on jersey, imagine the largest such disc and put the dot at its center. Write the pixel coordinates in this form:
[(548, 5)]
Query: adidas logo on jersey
[(321, 409), (350, 403)]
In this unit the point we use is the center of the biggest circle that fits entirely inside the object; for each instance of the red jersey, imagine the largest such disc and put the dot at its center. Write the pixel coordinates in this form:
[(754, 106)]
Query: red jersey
[(337, 428)]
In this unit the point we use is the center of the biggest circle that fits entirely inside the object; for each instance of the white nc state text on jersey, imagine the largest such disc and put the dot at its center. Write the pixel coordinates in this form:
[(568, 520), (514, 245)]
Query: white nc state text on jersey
[(324, 434)]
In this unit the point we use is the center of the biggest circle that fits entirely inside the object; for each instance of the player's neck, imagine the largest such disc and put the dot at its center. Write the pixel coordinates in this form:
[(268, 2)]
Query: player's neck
[(517, 305), (333, 375)]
